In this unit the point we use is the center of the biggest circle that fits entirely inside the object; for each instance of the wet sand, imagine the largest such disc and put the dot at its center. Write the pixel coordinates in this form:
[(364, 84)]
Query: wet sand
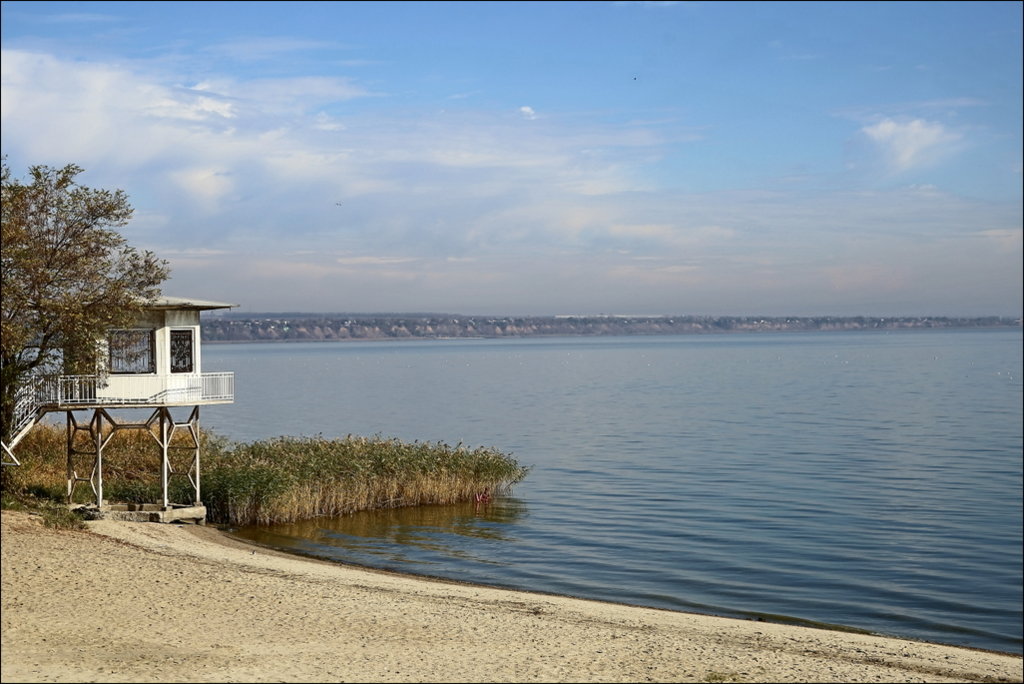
[(144, 602)]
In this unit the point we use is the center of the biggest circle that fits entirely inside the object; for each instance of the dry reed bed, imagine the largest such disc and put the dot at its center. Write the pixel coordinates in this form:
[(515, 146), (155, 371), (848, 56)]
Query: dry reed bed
[(278, 480)]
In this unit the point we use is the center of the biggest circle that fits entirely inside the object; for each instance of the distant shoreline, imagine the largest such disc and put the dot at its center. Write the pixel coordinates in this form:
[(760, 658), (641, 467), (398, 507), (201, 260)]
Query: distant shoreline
[(297, 327)]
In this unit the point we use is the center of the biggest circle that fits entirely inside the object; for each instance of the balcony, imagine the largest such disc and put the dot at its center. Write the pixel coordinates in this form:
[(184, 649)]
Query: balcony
[(63, 392)]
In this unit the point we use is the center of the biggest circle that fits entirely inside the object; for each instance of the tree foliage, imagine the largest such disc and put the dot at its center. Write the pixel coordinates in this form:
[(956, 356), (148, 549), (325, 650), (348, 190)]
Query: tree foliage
[(67, 275)]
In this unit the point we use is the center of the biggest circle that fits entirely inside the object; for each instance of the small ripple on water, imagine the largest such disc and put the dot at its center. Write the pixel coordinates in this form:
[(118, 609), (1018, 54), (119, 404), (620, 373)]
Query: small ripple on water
[(858, 480)]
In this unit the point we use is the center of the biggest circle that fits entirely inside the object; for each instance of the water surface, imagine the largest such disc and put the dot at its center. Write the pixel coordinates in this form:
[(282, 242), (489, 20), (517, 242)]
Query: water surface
[(871, 480)]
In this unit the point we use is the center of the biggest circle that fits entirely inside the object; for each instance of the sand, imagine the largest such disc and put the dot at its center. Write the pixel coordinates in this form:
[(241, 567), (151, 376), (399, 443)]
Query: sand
[(145, 602)]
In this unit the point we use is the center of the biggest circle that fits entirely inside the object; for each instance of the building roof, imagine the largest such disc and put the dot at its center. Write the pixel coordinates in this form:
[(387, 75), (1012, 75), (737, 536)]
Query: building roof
[(164, 302)]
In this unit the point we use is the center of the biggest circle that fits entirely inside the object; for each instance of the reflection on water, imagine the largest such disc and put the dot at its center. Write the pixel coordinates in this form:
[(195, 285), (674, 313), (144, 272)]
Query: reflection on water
[(411, 539)]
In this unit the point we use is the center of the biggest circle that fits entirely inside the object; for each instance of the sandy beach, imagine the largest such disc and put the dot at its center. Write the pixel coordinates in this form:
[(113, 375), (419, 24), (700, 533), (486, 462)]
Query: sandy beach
[(144, 602)]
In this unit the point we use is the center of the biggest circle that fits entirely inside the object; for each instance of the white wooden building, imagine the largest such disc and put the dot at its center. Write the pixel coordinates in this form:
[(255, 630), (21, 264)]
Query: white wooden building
[(154, 364)]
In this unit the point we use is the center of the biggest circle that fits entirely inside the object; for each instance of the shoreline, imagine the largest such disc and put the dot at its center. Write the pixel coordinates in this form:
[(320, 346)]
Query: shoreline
[(759, 618), (150, 602), (586, 335)]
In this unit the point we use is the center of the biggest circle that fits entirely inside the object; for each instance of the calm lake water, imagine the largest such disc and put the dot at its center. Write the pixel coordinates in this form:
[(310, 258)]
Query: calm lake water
[(872, 480)]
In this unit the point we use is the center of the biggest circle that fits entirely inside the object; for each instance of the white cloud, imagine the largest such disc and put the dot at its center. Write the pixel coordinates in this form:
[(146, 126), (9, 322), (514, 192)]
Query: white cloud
[(206, 185), (912, 143), (655, 231), (232, 178), (297, 94), (672, 235), (182, 105), (324, 122), (1009, 239), (375, 260)]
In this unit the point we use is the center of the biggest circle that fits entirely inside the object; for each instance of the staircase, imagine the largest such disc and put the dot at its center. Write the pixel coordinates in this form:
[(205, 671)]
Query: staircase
[(27, 411)]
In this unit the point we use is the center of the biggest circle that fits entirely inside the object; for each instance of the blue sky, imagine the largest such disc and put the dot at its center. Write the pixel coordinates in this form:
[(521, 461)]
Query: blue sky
[(543, 158)]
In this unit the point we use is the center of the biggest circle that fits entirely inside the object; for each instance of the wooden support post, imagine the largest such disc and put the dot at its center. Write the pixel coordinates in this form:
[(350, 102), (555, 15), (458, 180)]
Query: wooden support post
[(70, 435), (193, 421), (166, 431), (96, 432)]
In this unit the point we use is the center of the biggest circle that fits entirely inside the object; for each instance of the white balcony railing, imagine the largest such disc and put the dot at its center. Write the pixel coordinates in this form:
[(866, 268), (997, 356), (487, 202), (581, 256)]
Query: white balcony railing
[(134, 390)]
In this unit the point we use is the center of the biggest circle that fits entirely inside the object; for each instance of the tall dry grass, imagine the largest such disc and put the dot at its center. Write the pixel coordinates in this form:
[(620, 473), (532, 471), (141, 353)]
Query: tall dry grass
[(283, 479)]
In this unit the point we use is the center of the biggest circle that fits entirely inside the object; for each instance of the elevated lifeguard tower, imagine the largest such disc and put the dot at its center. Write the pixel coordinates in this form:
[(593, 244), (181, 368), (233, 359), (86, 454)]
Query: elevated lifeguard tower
[(156, 364)]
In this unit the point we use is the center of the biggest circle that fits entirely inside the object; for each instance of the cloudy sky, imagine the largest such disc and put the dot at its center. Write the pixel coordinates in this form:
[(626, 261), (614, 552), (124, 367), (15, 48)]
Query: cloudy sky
[(541, 158)]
